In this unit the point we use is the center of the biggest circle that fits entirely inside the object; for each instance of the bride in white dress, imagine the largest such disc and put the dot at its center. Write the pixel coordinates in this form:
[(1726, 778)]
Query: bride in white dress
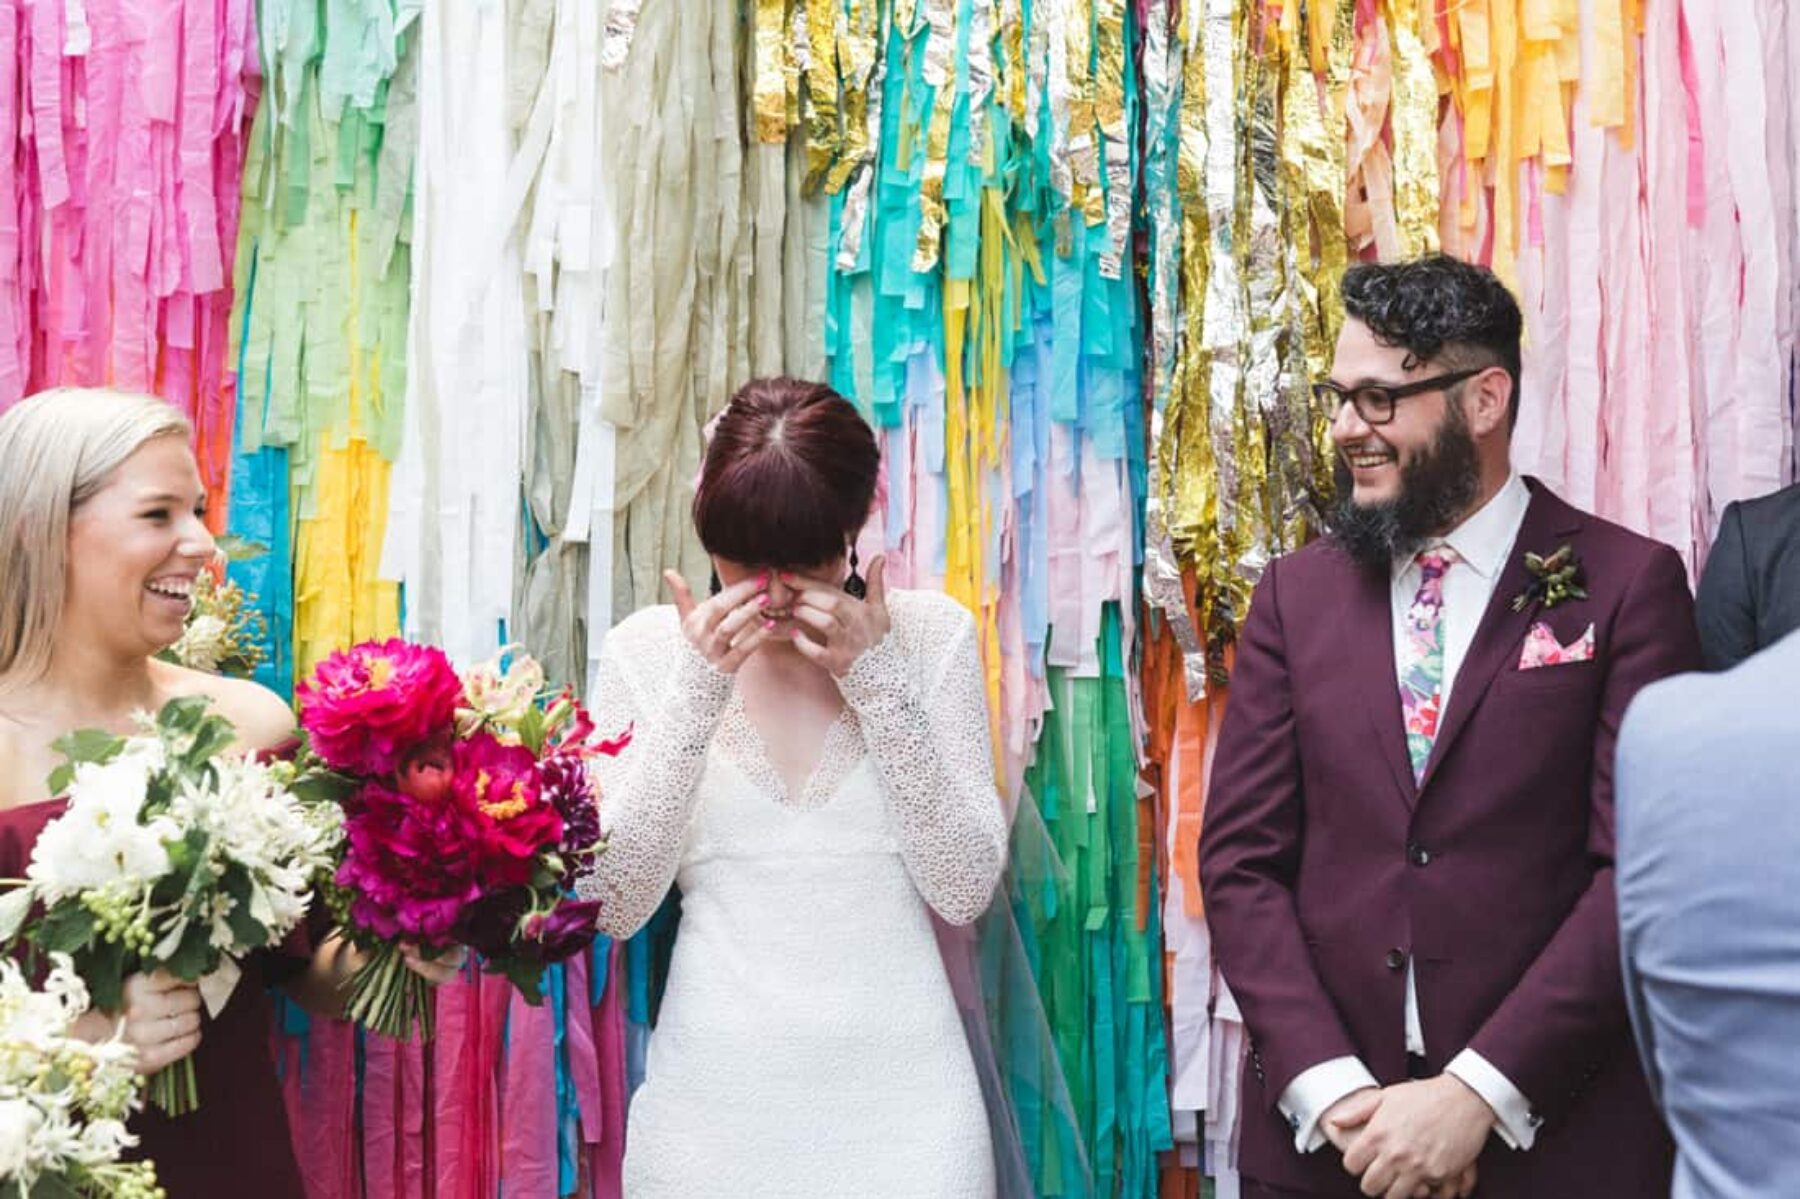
[(813, 768)]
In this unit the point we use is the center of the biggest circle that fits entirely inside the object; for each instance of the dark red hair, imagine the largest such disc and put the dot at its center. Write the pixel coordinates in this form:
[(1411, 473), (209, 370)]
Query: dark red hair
[(789, 476)]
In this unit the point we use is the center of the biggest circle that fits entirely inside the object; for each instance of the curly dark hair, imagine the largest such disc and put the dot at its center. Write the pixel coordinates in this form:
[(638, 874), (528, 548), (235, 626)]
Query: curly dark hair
[(1439, 309)]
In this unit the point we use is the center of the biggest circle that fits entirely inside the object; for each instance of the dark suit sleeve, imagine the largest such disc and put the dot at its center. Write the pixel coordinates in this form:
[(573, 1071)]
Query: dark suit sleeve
[(1250, 855), (1726, 609), (1570, 1003)]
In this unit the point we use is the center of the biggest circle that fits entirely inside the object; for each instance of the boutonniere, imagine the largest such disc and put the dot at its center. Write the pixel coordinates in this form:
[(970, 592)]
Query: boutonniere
[(1553, 580)]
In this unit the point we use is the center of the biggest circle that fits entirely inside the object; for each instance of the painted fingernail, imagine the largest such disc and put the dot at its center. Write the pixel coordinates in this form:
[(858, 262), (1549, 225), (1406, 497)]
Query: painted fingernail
[(762, 580), (768, 624), (763, 601)]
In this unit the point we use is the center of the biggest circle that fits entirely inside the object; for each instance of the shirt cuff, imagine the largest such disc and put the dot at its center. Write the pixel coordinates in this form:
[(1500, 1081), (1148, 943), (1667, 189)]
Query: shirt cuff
[(1516, 1124), (1312, 1093), (875, 678)]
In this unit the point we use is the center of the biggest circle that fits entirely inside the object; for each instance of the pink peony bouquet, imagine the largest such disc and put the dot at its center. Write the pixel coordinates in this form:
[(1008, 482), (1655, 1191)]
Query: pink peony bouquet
[(468, 811)]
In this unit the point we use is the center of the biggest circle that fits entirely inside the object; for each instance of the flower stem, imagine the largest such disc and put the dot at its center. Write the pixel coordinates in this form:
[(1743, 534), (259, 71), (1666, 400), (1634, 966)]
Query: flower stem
[(388, 998), (174, 1089)]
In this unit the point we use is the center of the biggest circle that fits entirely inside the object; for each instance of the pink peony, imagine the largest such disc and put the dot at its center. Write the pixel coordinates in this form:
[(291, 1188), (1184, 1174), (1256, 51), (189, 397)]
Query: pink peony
[(368, 707), (499, 783), (428, 773), (410, 865)]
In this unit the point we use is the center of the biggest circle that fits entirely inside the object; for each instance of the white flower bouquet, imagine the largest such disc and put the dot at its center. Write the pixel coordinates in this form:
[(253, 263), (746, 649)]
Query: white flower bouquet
[(63, 1101), (173, 854), (224, 633)]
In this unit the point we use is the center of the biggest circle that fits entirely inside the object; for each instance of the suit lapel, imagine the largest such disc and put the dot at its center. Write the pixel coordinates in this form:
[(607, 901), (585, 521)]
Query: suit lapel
[(1371, 655), (1548, 523)]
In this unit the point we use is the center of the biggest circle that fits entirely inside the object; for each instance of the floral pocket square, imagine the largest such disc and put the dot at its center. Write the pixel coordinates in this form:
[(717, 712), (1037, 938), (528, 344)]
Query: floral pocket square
[(1543, 649)]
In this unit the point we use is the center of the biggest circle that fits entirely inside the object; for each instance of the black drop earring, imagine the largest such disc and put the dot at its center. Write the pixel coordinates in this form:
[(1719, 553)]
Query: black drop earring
[(716, 588), (854, 585)]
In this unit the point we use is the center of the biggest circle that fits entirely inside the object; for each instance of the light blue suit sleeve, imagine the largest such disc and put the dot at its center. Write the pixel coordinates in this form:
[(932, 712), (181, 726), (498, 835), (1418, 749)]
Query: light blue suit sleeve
[(1708, 824)]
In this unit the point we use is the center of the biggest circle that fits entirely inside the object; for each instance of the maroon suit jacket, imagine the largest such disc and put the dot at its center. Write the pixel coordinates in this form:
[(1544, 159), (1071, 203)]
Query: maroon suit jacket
[(1325, 869)]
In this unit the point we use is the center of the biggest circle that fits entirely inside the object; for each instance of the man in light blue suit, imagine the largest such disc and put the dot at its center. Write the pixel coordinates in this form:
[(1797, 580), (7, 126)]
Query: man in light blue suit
[(1709, 903)]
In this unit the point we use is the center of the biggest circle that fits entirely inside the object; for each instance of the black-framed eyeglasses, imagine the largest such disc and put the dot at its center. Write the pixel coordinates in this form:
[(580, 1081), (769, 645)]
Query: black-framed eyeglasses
[(1375, 403)]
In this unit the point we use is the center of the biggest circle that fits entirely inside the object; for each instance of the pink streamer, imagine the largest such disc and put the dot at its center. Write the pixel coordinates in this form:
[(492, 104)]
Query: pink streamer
[(608, 1157), (527, 1112), (583, 1050), (395, 1084), (320, 1087), (119, 207)]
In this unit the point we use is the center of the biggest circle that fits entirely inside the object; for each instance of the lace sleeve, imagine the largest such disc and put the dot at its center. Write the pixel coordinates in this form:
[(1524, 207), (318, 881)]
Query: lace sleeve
[(672, 700), (929, 738)]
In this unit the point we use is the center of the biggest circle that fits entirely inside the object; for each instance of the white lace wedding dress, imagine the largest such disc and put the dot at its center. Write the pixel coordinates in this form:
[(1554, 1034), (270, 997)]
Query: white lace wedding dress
[(808, 1043)]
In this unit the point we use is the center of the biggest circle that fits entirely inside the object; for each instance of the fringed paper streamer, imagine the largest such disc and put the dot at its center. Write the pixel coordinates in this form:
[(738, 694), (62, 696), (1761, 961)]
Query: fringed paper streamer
[(688, 221), (454, 538), (1096, 944), (979, 311), (120, 205), (322, 325)]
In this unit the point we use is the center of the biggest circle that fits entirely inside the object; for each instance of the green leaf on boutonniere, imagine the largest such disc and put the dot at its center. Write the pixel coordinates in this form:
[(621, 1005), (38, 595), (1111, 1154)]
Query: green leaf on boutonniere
[(1554, 579)]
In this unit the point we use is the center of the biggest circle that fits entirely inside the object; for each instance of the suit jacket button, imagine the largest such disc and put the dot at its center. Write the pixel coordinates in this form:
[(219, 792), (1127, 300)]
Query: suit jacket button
[(1417, 854), (1396, 959)]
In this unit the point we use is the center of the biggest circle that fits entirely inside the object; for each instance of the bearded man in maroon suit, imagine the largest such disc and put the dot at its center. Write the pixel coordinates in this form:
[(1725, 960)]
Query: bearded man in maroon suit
[(1407, 857)]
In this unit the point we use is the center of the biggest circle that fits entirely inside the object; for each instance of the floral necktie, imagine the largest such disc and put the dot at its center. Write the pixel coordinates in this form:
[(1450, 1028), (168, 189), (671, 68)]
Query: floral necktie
[(1422, 657)]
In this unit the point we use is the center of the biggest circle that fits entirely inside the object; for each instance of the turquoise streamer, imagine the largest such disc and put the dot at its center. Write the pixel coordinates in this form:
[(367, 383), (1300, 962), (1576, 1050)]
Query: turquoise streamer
[(259, 513)]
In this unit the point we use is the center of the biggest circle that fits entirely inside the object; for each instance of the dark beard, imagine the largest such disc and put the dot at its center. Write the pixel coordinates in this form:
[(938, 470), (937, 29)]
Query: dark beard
[(1437, 488)]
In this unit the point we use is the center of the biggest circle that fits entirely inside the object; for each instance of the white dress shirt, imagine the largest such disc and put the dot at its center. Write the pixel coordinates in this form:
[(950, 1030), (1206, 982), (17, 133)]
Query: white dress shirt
[(1482, 543)]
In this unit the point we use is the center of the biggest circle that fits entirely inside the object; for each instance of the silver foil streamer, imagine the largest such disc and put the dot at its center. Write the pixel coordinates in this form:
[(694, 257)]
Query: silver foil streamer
[(854, 219), (1162, 108)]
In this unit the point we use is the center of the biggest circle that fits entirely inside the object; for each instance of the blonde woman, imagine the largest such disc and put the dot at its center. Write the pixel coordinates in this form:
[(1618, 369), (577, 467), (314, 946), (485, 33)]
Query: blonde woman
[(103, 512)]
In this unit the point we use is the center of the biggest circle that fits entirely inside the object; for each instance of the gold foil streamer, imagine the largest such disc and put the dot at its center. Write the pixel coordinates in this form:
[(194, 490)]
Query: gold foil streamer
[(1084, 143), (769, 92), (796, 58), (1413, 113), (1314, 168), (1225, 324), (856, 73), (906, 18), (1314, 163), (1109, 111), (1184, 449), (820, 67), (621, 26), (1012, 72)]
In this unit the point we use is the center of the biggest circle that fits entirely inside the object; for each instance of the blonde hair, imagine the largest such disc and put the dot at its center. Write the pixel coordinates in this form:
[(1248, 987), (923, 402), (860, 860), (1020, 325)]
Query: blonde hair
[(57, 448)]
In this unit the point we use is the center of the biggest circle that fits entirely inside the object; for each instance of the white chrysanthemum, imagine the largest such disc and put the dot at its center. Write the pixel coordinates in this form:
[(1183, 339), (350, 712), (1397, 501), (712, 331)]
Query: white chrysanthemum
[(19, 1124), (99, 842), (204, 643), (45, 1131), (105, 1140), (254, 823)]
